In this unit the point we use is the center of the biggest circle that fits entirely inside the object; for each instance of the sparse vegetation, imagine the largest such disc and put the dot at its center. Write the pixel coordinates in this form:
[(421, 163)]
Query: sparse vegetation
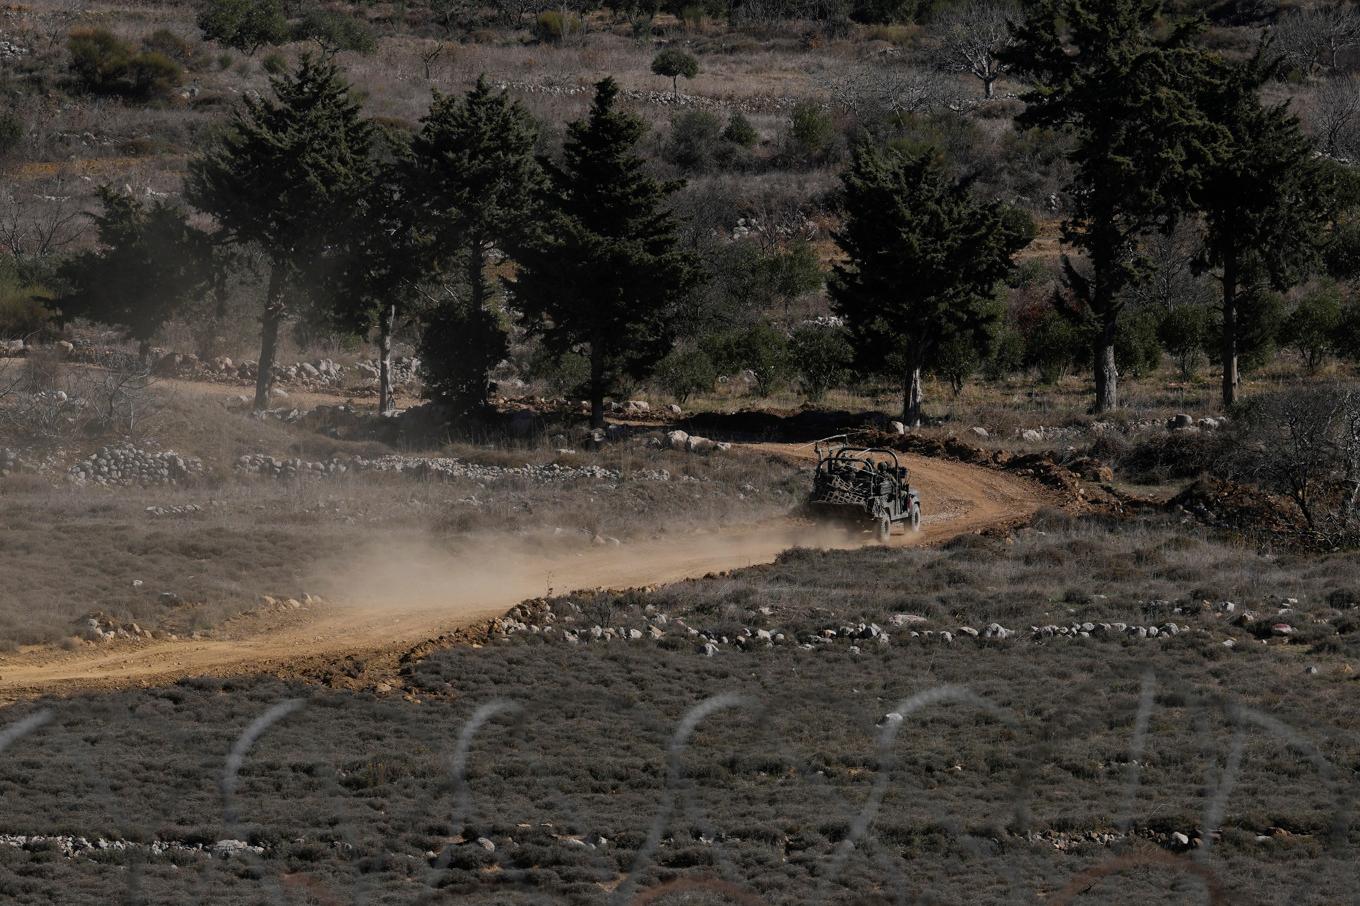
[(553, 325)]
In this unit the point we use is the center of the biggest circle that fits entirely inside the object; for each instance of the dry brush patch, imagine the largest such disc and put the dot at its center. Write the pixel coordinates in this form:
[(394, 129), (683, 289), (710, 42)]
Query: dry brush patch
[(355, 791), (186, 558)]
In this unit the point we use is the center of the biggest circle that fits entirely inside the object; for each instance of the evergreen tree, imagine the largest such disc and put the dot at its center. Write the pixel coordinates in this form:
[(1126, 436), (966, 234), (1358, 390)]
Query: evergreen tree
[(472, 171), (288, 172), (375, 272), (245, 25), (923, 258), (473, 175), (149, 264), (1120, 78), (1264, 197), (674, 63), (603, 272)]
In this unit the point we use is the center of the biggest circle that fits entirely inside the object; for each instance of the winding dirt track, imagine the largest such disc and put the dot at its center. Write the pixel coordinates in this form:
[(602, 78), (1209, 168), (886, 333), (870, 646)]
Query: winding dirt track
[(391, 597)]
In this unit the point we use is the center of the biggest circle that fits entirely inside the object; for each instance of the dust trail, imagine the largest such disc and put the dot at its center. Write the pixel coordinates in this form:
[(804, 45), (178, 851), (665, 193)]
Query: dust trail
[(399, 589), (399, 574)]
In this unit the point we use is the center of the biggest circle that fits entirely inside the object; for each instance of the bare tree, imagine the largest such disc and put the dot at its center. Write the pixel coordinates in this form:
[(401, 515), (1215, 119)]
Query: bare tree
[(41, 224), (1315, 38), (1334, 116), (1172, 279), (1306, 443), (872, 91), (970, 38)]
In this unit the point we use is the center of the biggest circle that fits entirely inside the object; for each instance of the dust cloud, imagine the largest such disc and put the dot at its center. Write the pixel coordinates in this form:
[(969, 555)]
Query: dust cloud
[(485, 576)]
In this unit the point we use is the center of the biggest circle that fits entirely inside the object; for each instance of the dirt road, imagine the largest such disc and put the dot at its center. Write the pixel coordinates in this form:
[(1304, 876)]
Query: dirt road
[(403, 591)]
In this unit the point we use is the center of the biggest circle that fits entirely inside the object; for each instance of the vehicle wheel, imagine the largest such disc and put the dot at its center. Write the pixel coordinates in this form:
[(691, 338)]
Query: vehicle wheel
[(916, 518), (884, 530)]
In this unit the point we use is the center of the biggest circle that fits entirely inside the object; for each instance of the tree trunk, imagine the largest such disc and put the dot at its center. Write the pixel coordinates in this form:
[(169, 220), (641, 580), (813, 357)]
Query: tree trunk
[(987, 90), (476, 274), (911, 397), (596, 384), (675, 87), (1106, 372), (1229, 349), (479, 293), (386, 323), (269, 337)]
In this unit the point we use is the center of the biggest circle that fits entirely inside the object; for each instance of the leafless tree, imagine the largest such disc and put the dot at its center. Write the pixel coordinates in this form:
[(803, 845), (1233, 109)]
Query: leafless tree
[(1315, 38), (1306, 443), (40, 224), (1171, 279), (1334, 116), (41, 398), (874, 91), (970, 38)]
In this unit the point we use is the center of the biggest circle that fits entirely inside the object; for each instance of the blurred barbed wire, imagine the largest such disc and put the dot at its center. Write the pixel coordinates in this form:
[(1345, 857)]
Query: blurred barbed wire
[(838, 875)]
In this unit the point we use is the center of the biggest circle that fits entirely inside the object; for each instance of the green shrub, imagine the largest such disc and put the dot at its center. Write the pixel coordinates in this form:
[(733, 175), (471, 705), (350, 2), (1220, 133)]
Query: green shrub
[(565, 374), (1185, 331), (1053, 345), (693, 142), (1007, 354), (106, 64), (821, 357), (1260, 321), (759, 348), (99, 58), (1137, 351), (1341, 255), (11, 132), (811, 133), (685, 372), (274, 63), (23, 305), (335, 31), (170, 45), (153, 74), (1312, 328), (244, 25), (552, 27), (740, 132), (956, 361), (789, 272)]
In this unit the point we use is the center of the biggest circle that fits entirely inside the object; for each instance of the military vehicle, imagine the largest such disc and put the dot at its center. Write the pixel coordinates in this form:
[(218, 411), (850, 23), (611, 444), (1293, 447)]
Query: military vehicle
[(862, 487)]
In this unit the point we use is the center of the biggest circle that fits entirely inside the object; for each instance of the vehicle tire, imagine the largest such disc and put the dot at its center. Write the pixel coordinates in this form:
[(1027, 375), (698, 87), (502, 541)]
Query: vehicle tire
[(916, 518), (884, 530)]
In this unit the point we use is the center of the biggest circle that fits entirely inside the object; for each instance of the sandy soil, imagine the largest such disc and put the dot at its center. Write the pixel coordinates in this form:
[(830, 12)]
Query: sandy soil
[(400, 591)]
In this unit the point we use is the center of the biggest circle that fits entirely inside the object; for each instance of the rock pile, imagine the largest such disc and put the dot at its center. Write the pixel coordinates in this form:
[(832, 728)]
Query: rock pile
[(693, 443), (318, 373), (567, 621), (745, 104), (183, 509), (70, 846), (100, 627), (440, 468), (125, 465)]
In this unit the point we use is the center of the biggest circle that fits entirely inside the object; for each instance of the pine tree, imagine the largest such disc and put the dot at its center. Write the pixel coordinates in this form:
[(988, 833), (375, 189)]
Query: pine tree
[(473, 172), (1121, 79), (923, 258), (603, 272), (1265, 199), (149, 264), (374, 272), (288, 171)]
